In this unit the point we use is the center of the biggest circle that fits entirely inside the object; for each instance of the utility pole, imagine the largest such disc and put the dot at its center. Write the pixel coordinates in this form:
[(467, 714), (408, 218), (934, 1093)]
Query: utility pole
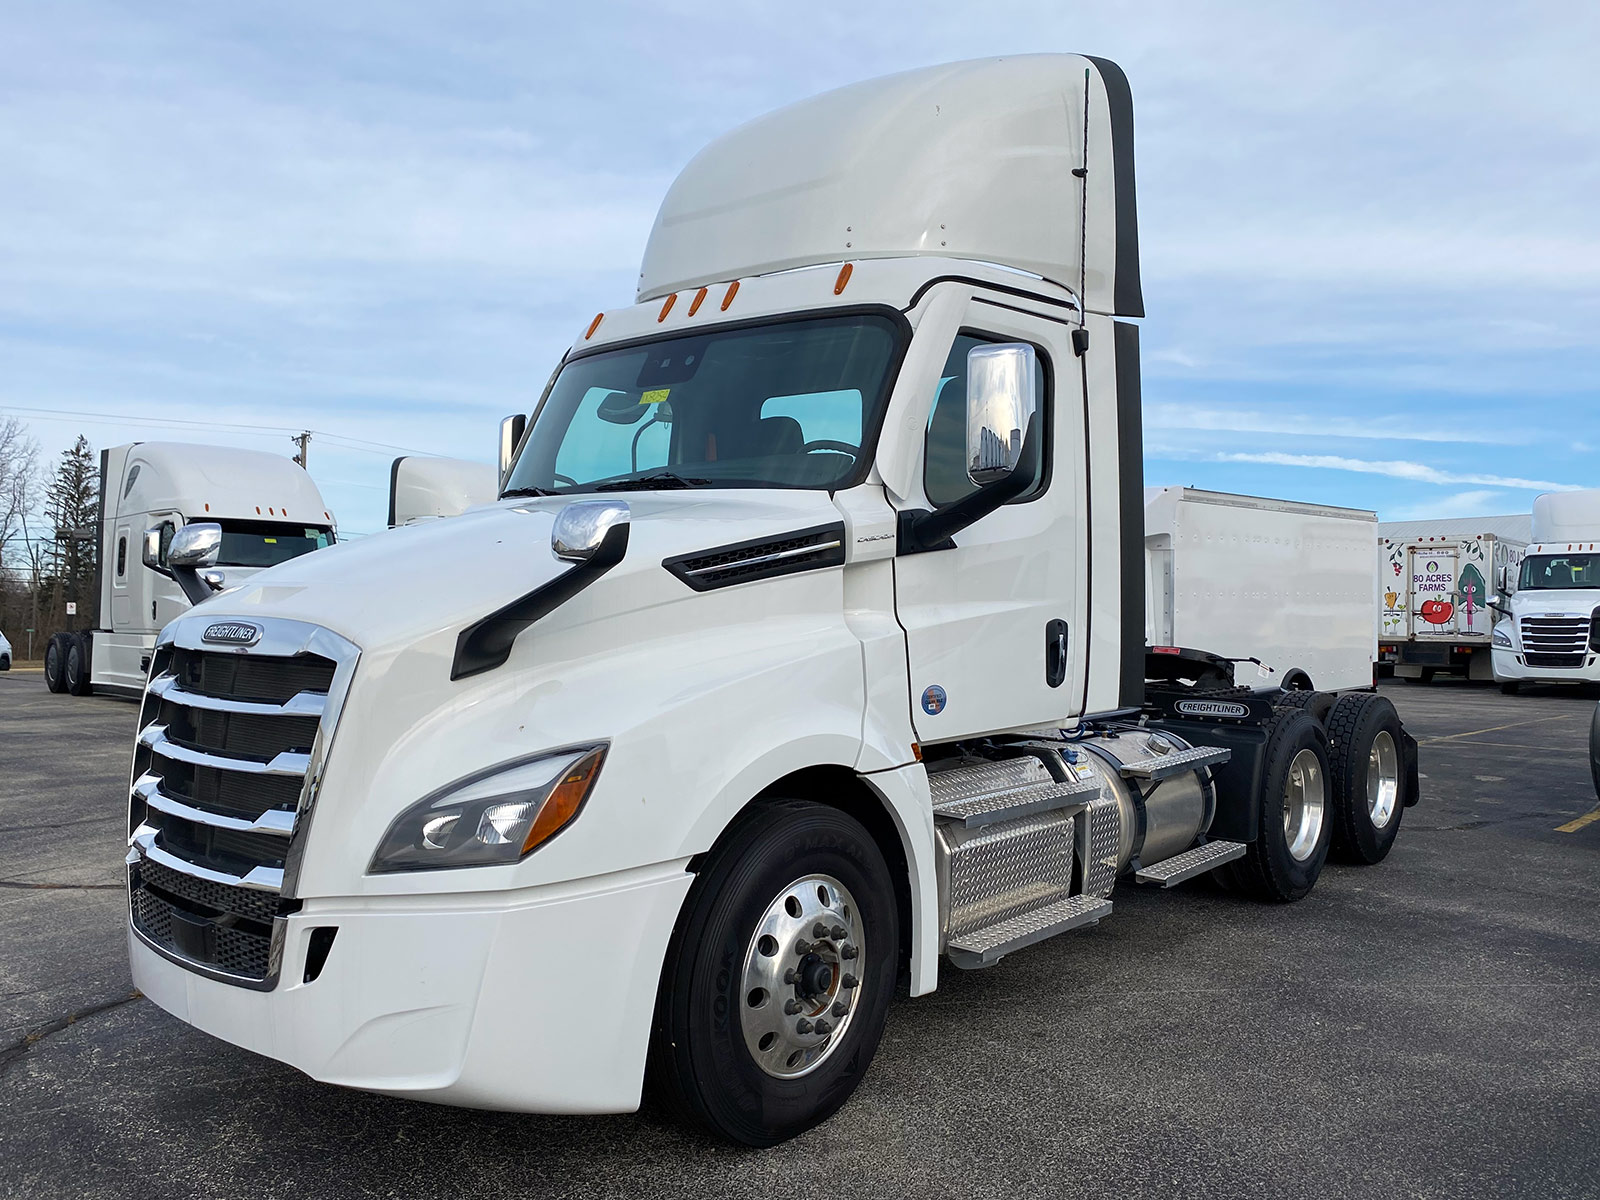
[(303, 440)]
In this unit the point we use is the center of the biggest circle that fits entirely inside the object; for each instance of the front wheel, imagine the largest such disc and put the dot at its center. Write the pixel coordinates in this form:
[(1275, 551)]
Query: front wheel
[(778, 979), (1511, 687), (1594, 749)]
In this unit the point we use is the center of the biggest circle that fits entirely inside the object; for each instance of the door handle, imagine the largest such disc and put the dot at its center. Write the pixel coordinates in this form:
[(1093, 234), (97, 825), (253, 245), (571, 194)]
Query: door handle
[(1055, 653)]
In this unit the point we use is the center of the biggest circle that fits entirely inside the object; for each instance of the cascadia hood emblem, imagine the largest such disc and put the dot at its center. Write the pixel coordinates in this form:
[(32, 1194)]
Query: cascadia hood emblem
[(1212, 708), (232, 633)]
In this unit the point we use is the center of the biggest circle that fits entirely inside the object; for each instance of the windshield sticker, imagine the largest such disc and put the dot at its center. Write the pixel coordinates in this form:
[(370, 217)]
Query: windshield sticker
[(654, 397)]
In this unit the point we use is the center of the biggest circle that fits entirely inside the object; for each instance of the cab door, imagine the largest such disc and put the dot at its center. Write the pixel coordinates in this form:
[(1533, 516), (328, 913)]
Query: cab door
[(994, 626)]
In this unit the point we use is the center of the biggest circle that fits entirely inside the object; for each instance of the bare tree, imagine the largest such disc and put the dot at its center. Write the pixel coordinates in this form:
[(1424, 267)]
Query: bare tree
[(19, 480)]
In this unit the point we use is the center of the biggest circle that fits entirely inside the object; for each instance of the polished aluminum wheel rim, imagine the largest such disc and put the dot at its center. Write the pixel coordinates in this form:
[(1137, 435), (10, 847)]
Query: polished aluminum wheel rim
[(1304, 799), (802, 974), (1383, 779)]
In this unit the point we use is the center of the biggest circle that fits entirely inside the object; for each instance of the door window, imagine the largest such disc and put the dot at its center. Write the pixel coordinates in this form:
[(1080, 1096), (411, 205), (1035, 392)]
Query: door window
[(944, 475)]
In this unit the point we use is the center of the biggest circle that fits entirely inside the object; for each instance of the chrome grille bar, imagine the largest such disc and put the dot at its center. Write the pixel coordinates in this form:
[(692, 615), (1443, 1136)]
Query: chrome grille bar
[(304, 704), (259, 879), (287, 763), (274, 820)]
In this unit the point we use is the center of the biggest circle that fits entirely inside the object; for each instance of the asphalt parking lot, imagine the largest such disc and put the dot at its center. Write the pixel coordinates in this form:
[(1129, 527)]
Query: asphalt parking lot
[(1423, 1028)]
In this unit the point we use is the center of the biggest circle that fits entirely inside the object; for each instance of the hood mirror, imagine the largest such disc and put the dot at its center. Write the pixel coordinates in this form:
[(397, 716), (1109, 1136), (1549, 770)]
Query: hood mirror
[(511, 430), (1000, 403), (580, 528)]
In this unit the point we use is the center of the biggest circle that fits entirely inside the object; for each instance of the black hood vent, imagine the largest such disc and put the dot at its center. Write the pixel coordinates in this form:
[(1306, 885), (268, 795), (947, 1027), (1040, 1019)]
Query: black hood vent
[(761, 558)]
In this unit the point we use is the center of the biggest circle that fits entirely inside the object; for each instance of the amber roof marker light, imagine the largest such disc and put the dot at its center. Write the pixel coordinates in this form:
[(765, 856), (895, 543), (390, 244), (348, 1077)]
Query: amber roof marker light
[(844, 278), (699, 299), (593, 325), (666, 307), (727, 298)]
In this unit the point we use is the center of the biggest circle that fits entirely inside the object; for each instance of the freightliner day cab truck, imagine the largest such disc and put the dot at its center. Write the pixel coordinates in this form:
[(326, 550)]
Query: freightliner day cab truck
[(265, 508), (804, 654), (1441, 583), (1549, 631)]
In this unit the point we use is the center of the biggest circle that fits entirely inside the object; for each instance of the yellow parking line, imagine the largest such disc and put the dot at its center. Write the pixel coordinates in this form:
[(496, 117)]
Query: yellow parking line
[(1450, 737), (1588, 818)]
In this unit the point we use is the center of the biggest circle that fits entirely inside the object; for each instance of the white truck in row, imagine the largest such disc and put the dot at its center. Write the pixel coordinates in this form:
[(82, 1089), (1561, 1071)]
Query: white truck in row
[(802, 655), (1441, 581), (266, 508), (1549, 629)]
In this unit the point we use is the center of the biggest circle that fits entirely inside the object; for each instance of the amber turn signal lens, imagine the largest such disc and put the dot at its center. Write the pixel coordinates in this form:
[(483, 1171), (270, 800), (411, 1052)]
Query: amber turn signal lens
[(565, 799)]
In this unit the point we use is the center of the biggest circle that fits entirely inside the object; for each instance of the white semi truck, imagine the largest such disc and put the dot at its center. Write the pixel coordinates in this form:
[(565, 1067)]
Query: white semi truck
[(1441, 581), (267, 509), (802, 655), (1549, 630), (1280, 586)]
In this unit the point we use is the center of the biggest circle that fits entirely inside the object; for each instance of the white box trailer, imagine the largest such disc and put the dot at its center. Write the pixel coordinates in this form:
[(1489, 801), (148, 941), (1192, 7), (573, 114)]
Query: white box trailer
[(268, 510), (1440, 581), (1281, 581)]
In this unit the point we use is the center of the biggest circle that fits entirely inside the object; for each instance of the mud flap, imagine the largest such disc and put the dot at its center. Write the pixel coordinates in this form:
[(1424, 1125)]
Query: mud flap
[(1408, 753)]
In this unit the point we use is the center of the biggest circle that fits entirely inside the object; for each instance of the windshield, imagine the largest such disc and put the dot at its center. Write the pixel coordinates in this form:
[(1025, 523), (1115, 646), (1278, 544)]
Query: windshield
[(1560, 571), (795, 404), (267, 543)]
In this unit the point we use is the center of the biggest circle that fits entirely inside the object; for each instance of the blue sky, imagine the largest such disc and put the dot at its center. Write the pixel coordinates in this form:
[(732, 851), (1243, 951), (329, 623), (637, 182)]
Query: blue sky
[(1371, 239)]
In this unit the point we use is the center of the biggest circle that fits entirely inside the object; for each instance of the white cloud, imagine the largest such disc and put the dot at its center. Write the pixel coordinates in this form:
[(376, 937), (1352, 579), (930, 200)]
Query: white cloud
[(1381, 428), (1394, 468), (1461, 504)]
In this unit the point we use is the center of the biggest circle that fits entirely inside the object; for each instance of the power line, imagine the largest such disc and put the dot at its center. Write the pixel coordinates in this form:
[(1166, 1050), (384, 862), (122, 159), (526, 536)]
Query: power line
[(349, 441)]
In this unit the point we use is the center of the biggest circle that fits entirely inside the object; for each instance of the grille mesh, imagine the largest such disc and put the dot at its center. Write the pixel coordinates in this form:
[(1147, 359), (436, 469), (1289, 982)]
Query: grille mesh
[(232, 793), (217, 898), (242, 735), (251, 677), (237, 950)]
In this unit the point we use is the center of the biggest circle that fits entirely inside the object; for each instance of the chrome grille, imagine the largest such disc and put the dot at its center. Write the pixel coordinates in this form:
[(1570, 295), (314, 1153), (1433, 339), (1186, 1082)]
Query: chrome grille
[(225, 770), (1554, 641)]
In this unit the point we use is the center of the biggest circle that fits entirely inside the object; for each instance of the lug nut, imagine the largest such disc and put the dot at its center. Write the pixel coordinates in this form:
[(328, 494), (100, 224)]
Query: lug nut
[(792, 1007), (819, 930), (849, 981), (823, 1027), (803, 1025), (791, 976), (848, 952), (802, 947), (840, 1008), (839, 933)]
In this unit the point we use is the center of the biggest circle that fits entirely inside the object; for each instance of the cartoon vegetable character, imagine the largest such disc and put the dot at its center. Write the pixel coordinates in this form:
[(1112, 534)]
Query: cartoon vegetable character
[(1436, 612), (1471, 588), (1390, 597)]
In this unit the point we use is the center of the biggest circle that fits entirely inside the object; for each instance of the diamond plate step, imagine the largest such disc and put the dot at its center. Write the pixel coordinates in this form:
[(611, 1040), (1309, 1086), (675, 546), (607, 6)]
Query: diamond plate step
[(1190, 863), (1165, 766), (1005, 790), (987, 946)]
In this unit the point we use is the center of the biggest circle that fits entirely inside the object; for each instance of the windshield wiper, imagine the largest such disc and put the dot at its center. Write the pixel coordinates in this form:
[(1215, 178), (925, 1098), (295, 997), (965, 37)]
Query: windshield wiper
[(652, 482), (528, 491)]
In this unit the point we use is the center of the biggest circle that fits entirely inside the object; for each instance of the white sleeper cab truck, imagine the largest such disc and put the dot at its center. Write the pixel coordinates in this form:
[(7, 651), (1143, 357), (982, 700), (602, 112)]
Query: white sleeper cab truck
[(1441, 583), (263, 507), (1279, 586), (803, 654), (1549, 631)]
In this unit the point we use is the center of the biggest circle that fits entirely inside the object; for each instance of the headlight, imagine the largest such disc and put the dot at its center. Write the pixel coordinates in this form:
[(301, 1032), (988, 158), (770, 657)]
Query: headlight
[(1500, 637), (494, 818)]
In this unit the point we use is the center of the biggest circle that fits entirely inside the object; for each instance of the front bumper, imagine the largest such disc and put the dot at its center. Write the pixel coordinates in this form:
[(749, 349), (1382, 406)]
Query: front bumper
[(1510, 668), (534, 1001)]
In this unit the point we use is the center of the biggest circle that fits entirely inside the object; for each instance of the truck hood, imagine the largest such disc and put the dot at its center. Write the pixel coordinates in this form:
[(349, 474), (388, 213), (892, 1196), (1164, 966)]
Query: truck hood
[(1574, 602), (397, 587)]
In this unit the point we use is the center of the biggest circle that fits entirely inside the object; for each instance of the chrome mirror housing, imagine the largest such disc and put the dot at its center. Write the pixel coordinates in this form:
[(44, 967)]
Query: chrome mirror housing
[(152, 550), (195, 546), (581, 527), (511, 430), (1000, 403)]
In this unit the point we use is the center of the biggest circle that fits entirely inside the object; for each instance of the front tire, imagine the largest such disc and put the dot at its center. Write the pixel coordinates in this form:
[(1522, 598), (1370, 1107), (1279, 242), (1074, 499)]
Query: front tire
[(1291, 823), (778, 979), (55, 662), (1594, 749), (1511, 687), (1365, 767)]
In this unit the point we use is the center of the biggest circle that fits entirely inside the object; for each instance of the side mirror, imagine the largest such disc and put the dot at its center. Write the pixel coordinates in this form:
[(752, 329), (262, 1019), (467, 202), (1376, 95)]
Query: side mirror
[(195, 546), (511, 430), (152, 551), (1000, 403)]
